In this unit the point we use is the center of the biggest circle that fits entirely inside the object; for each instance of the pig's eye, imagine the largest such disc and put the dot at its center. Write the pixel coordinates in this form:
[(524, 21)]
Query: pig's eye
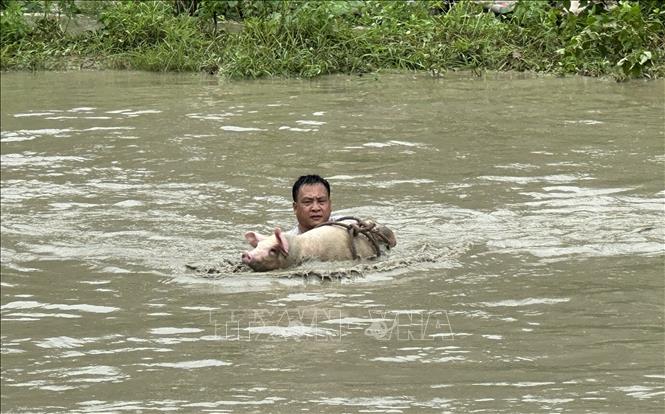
[(273, 252)]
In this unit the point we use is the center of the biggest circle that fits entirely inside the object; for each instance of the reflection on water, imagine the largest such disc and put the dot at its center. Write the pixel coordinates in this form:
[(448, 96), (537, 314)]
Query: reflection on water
[(527, 276)]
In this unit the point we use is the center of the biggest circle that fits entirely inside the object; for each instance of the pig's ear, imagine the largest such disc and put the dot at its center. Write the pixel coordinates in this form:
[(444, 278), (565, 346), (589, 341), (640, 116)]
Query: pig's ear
[(283, 244), (253, 238)]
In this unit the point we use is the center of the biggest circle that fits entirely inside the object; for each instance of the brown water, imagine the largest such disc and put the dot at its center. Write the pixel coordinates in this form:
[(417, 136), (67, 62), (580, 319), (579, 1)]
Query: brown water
[(528, 276)]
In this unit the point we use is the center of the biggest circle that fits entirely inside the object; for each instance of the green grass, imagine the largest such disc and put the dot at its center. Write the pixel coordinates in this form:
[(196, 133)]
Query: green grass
[(289, 38)]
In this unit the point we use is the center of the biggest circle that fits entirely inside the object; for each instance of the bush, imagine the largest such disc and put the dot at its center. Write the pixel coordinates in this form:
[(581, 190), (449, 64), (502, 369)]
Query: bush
[(624, 34), (129, 25), (307, 42), (311, 38), (13, 27)]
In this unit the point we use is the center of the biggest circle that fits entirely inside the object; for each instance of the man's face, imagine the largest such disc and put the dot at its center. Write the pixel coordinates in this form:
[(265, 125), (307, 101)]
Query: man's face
[(312, 206)]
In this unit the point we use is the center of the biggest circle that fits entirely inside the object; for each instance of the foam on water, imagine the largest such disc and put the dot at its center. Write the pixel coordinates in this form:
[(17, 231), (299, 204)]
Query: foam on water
[(174, 331), (203, 363), (240, 129), (39, 305), (17, 160), (526, 302), (293, 331)]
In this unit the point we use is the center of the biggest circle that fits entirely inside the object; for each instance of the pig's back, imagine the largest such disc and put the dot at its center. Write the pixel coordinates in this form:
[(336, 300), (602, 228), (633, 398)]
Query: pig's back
[(333, 242)]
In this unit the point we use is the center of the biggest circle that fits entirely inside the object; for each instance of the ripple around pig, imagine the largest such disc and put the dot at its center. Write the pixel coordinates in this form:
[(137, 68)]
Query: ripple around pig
[(334, 271)]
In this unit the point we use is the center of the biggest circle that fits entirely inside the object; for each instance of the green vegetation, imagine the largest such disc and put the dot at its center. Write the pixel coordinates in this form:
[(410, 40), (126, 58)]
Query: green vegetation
[(252, 38)]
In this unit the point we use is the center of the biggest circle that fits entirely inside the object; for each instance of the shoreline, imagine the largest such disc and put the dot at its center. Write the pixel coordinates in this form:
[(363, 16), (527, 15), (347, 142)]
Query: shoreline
[(314, 41), (451, 75)]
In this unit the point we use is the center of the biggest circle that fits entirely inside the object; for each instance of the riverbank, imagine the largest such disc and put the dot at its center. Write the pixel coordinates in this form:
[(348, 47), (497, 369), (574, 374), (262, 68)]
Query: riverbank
[(252, 39)]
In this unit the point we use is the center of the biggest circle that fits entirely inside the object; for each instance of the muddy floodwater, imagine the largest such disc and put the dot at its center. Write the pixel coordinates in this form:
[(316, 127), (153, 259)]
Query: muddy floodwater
[(528, 275)]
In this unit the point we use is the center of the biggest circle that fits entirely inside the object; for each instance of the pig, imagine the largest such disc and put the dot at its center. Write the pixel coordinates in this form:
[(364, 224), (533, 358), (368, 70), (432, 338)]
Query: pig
[(326, 243)]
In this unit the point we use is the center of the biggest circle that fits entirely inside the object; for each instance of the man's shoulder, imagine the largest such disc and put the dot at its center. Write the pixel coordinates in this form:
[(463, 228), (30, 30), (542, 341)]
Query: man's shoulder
[(294, 231)]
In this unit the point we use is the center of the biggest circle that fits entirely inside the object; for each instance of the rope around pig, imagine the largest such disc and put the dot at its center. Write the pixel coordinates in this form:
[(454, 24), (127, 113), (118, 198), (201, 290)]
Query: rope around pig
[(366, 228)]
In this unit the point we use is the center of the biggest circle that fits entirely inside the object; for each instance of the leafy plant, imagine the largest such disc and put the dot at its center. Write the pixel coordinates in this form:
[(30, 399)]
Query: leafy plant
[(13, 27), (128, 25), (312, 38), (618, 41)]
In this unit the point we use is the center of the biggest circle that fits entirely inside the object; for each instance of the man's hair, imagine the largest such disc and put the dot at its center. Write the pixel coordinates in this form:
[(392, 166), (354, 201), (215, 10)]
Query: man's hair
[(308, 180)]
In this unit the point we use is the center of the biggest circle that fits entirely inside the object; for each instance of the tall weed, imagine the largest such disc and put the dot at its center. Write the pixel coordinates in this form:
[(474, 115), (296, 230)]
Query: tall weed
[(13, 27), (307, 42), (129, 25), (311, 38)]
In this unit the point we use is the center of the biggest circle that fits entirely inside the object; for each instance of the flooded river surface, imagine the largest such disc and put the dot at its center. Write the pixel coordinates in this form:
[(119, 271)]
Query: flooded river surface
[(528, 274)]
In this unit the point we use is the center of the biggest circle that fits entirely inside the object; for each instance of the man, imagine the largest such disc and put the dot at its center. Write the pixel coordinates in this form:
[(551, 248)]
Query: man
[(311, 202)]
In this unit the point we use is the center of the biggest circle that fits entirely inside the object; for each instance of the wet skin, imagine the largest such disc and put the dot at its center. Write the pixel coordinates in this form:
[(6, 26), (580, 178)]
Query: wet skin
[(312, 206)]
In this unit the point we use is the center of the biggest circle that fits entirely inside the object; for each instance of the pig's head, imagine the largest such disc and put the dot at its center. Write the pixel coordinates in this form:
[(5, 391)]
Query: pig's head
[(269, 253), (388, 235)]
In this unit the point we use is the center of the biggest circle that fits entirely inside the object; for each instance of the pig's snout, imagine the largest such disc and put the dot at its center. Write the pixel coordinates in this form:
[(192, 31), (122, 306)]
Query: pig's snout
[(247, 258)]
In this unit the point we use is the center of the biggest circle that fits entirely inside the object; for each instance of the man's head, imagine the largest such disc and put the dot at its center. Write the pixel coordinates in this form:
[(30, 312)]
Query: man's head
[(311, 201)]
